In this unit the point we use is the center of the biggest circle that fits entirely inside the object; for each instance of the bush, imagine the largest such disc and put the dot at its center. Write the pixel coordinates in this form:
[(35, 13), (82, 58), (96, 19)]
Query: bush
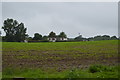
[(95, 68), (8, 71), (73, 74), (100, 68), (38, 41)]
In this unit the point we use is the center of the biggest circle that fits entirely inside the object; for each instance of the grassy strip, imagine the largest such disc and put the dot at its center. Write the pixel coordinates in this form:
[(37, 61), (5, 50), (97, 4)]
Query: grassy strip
[(94, 71), (0, 75)]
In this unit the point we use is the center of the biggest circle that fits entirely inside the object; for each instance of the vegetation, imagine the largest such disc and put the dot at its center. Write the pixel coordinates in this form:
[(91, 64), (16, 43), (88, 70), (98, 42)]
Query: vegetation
[(61, 59), (79, 38), (96, 38), (108, 72), (62, 35), (52, 34), (93, 58), (37, 36), (15, 32)]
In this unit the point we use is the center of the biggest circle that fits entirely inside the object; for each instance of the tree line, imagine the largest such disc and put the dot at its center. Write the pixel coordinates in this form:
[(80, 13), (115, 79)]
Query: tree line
[(39, 37), (16, 32), (96, 38)]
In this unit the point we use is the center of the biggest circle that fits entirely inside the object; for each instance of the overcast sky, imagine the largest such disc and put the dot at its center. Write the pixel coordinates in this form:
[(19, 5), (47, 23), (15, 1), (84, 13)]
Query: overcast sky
[(87, 18)]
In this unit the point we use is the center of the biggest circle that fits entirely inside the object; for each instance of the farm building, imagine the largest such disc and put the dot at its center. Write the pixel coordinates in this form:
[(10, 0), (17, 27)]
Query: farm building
[(54, 39)]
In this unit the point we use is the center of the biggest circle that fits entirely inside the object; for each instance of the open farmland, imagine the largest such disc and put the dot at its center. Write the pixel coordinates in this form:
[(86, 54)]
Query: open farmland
[(47, 59)]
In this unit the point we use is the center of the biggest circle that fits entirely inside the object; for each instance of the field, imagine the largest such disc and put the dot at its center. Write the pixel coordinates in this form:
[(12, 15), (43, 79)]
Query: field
[(90, 59)]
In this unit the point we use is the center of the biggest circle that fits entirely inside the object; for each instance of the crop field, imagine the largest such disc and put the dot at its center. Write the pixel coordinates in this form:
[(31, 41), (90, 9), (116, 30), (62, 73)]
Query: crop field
[(88, 59)]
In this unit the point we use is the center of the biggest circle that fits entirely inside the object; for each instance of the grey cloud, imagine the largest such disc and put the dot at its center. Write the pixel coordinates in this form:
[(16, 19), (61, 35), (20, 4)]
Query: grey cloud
[(87, 18)]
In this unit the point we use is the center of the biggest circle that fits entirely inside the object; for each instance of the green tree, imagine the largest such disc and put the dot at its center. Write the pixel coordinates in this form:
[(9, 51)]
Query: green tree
[(90, 39), (45, 38), (99, 37), (14, 31), (52, 34), (114, 38), (62, 35), (20, 32), (29, 38), (105, 37), (37, 36), (0, 36), (79, 38), (0, 33)]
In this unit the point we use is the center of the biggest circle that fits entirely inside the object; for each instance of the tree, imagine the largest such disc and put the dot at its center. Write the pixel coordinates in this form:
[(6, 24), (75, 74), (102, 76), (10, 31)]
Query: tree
[(52, 34), (20, 32), (37, 36), (14, 31), (90, 39), (79, 38), (62, 35), (45, 38), (119, 38), (105, 37), (114, 38), (99, 37), (0, 37), (0, 33), (29, 38)]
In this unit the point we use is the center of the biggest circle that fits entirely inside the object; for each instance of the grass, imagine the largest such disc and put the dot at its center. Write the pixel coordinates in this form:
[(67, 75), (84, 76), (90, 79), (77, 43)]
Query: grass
[(60, 59), (102, 72), (0, 75)]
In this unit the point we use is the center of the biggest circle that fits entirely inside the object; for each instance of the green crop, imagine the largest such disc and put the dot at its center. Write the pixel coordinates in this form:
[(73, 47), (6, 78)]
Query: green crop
[(60, 59)]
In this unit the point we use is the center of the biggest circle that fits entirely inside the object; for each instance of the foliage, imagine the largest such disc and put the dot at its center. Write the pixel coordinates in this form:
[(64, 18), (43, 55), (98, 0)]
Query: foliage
[(113, 38), (45, 37), (29, 38), (70, 73), (79, 38), (74, 73), (37, 36), (14, 31), (0, 33), (52, 34), (96, 38), (95, 68), (56, 60), (62, 35), (100, 68), (104, 37)]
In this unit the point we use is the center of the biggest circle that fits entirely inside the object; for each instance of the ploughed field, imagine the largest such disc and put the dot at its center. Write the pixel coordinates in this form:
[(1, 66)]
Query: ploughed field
[(47, 59)]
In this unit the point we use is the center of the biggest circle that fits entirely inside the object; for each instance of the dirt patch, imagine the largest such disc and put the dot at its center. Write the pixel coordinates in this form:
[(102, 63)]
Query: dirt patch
[(46, 59)]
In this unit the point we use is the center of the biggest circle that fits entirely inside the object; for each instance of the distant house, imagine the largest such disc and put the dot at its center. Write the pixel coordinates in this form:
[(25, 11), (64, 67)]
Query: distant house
[(54, 39), (26, 41)]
